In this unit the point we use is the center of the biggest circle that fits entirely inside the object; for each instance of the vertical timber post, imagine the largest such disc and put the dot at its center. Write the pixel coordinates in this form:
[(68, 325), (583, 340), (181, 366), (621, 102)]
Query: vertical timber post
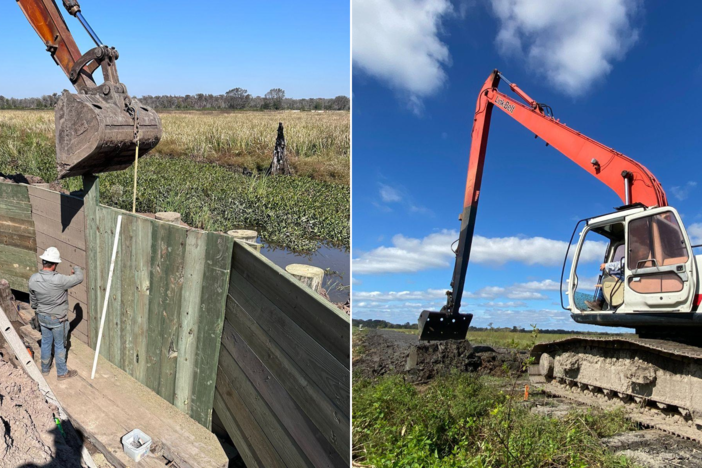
[(91, 201)]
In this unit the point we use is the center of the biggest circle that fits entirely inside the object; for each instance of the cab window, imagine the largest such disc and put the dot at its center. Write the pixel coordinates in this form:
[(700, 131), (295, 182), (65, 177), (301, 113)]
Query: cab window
[(656, 240)]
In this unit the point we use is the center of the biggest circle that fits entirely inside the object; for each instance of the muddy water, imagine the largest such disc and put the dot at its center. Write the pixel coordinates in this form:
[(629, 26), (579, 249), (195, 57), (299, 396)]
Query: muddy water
[(335, 261)]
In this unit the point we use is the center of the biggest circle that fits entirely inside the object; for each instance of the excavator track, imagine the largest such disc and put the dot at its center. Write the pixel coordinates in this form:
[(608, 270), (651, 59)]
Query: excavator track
[(658, 383)]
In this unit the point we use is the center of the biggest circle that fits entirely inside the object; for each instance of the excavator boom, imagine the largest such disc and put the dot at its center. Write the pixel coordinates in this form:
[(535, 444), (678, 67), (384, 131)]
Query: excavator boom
[(100, 128), (631, 181)]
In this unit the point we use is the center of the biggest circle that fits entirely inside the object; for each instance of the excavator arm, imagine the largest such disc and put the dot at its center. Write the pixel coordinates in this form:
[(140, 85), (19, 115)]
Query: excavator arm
[(631, 181), (100, 129), (48, 22)]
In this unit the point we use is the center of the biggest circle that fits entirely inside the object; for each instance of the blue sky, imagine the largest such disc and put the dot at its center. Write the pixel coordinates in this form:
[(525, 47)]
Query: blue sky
[(627, 73), (179, 47)]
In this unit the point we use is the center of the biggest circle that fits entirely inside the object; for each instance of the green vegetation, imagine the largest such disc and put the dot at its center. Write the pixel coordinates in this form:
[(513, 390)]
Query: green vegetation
[(292, 212), (460, 421)]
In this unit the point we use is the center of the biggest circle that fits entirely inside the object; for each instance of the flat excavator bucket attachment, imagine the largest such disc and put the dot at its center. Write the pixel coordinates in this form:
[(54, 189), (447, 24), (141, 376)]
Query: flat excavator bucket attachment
[(95, 134), (440, 326)]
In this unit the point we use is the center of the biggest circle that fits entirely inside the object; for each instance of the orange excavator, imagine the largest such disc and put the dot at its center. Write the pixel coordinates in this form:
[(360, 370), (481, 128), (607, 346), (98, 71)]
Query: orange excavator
[(648, 280), (101, 128)]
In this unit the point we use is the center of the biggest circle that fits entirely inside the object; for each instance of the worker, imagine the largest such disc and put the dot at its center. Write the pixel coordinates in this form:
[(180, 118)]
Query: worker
[(613, 269), (48, 296)]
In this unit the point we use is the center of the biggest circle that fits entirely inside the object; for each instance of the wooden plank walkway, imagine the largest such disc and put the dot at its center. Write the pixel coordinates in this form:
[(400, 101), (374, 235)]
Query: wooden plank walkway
[(114, 403)]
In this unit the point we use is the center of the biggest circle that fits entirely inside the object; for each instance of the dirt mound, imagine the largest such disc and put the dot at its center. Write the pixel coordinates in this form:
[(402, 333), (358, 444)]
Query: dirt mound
[(28, 434), (382, 352)]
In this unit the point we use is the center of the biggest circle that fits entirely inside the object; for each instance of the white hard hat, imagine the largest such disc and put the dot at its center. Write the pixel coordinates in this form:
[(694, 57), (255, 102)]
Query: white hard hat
[(51, 255)]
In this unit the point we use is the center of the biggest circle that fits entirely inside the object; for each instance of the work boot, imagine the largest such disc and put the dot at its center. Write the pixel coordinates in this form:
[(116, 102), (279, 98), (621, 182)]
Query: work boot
[(593, 305), (68, 375)]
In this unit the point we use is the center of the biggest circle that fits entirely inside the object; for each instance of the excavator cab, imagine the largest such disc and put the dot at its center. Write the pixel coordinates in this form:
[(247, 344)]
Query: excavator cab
[(635, 261), (101, 128)]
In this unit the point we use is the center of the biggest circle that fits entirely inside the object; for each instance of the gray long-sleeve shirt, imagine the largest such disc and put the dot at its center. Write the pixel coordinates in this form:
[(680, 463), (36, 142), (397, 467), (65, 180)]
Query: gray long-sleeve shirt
[(48, 291)]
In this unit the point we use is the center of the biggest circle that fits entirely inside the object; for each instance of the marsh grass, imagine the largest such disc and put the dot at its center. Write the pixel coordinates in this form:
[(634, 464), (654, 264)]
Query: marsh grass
[(318, 144), (297, 213), (459, 421)]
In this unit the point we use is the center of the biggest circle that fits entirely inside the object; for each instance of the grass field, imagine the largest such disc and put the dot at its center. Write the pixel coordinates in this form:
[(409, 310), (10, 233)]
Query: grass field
[(193, 172)]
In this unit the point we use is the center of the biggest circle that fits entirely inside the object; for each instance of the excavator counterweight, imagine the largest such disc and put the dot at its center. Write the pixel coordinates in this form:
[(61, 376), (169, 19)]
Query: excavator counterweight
[(100, 128)]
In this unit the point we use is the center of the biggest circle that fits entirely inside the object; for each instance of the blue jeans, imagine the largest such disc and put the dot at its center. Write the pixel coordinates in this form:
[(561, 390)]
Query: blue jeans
[(600, 293), (53, 332)]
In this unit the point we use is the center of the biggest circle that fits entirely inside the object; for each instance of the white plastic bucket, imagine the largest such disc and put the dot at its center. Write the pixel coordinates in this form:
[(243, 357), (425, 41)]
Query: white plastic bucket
[(136, 445)]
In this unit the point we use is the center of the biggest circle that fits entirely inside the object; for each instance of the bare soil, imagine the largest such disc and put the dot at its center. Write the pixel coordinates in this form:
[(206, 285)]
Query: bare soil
[(29, 436), (382, 352)]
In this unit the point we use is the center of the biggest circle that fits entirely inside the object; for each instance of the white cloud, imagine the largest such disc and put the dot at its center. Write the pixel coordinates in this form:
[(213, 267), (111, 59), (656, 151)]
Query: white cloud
[(682, 192), (695, 233), (377, 296), (503, 305), (389, 194), (397, 42), (410, 255), (571, 42)]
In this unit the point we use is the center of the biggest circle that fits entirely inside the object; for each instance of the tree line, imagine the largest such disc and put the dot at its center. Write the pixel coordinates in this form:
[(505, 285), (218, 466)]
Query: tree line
[(235, 99)]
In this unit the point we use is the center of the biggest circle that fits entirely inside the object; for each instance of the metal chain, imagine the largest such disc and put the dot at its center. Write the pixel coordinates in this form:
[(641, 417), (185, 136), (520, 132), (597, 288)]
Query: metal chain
[(134, 113)]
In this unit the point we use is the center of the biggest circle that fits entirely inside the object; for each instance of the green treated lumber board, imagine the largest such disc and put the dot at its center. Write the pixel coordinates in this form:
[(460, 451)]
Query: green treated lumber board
[(91, 187), (128, 300), (318, 365), (194, 268), (329, 326), (16, 283), (102, 271), (209, 334), (71, 202), (12, 225), (331, 422), (71, 234), (299, 427), (18, 262), (243, 446), (16, 210), (267, 420), (158, 286), (59, 210), (113, 321), (24, 242), (264, 450), (170, 312), (14, 192), (142, 277)]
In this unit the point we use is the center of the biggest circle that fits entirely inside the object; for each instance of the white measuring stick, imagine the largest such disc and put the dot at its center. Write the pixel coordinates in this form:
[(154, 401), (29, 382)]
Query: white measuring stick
[(107, 295)]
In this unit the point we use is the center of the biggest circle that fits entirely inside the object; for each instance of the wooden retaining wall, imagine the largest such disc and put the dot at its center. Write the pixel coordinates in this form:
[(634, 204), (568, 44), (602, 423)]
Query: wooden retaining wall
[(283, 380), (17, 236), (59, 222), (166, 310)]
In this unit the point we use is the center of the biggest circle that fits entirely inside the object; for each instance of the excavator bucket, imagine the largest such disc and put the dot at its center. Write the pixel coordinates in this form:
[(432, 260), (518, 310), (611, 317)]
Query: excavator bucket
[(440, 326), (95, 134)]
